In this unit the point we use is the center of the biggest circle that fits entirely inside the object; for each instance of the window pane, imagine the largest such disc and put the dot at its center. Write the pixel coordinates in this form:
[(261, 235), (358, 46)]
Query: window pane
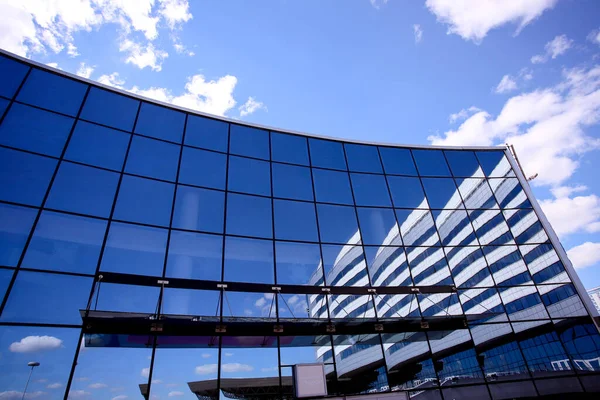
[(289, 148), (194, 256), (431, 163), (35, 130), (490, 227), (295, 220), (246, 141), (442, 193), (110, 109), (63, 242), (417, 228), (298, 264), (338, 224), (378, 226), (249, 216), (249, 176), (52, 92), (15, 225), (24, 177), (42, 298), (5, 278), (327, 154), (248, 260), (3, 106), (332, 186), (11, 75), (362, 158), (407, 192), (397, 161), (134, 249), (454, 227), (199, 209), (370, 190), (509, 193), (203, 168), (463, 163), (127, 298), (494, 164), (525, 226), (245, 363), (191, 302), (96, 145), (153, 158), (388, 267), (207, 133), (146, 201), (160, 122), (292, 182), (476, 193)]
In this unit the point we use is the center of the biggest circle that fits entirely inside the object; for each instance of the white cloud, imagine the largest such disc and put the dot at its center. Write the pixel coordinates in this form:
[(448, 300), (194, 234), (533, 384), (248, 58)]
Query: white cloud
[(472, 20), (175, 12), (507, 84), (463, 114), (72, 50), (260, 302), (584, 255), (54, 385), (53, 65), (573, 214), (206, 355), (145, 372), (181, 49), (32, 344), (85, 70), (566, 191), (250, 106), (78, 394), (228, 354), (378, 3), (594, 36), (175, 393), (83, 379), (248, 312), (207, 369), (143, 56), (120, 397), (526, 74), (97, 386), (418, 32), (111, 80), (554, 48), (14, 395)]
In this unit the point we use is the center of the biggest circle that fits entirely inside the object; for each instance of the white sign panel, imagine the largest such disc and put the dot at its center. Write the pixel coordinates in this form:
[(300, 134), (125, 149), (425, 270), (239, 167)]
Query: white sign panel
[(309, 380)]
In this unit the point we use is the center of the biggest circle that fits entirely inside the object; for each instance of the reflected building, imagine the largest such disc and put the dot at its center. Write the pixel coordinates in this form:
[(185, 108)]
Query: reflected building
[(595, 297), (148, 251)]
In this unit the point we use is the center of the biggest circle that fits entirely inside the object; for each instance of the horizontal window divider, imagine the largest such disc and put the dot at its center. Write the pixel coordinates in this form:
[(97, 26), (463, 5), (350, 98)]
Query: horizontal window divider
[(40, 325), (51, 271), (44, 109)]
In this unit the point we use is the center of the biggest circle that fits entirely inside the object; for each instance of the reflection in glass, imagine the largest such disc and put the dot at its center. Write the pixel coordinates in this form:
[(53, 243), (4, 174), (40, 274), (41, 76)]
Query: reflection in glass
[(431, 163), (249, 216), (202, 168), (454, 227), (327, 154), (397, 161), (525, 226), (295, 220), (194, 256), (207, 133), (152, 158), (509, 193), (417, 228), (144, 200), (463, 163), (378, 226), (363, 158), (191, 302), (199, 209), (15, 225), (248, 260), (52, 92), (239, 364), (476, 193), (442, 193), (126, 298), (292, 182), (344, 265), (338, 224), (407, 192), (96, 145), (298, 264), (160, 122), (332, 186), (250, 142), (289, 148), (370, 190), (13, 73), (112, 109), (490, 227), (249, 176), (494, 164)]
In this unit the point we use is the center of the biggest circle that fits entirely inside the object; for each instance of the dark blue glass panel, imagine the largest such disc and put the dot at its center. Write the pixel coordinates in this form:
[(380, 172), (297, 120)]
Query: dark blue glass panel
[(63, 242), (206, 133), (292, 182), (128, 298), (153, 158), (3, 106), (15, 226), (582, 342), (97, 145), (160, 122), (363, 158), (370, 190), (11, 76), (249, 176), (110, 109), (249, 260), (332, 186), (134, 249), (442, 193), (338, 224), (417, 228), (5, 277), (289, 148), (199, 209), (249, 216), (295, 220), (397, 161), (298, 264), (463, 163), (407, 192), (52, 92), (146, 201), (494, 164), (344, 266), (251, 142), (24, 177), (72, 190), (431, 163), (378, 226), (509, 193), (203, 168), (194, 256), (327, 154), (35, 130)]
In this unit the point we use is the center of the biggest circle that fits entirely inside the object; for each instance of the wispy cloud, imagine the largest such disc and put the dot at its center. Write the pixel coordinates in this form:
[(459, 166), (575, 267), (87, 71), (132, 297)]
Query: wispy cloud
[(418, 33), (554, 48)]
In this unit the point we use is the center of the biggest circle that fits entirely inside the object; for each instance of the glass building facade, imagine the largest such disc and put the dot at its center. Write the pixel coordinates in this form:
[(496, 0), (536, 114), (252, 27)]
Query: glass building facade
[(152, 252)]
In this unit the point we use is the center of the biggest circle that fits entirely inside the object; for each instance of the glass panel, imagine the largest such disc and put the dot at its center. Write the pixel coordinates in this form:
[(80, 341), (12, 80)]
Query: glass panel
[(250, 305), (11, 76), (525, 226), (543, 352), (203, 168), (295, 220), (292, 182), (503, 362), (96, 145), (468, 266), (494, 164), (245, 363), (501, 391), (160, 122), (152, 158), (192, 302), (338, 224), (582, 342), (41, 298), (248, 260), (144, 200), (353, 352), (505, 262), (378, 226), (127, 298), (247, 141), (562, 300), (558, 385), (362, 158), (388, 267), (370, 190), (327, 154), (3, 106), (463, 163), (442, 193), (407, 192), (403, 372), (462, 368), (332, 186), (24, 177), (454, 227), (344, 266), (249, 176), (431, 163), (543, 264), (72, 191), (289, 148), (397, 161), (417, 228), (490, 227), (428, 267), (249, 216), (134, 249), (199, 209), (15, 225), (509, 193), (35, 130), (194, 256), (298, 264), (63, 242), (476, 193), (523, 303), (53, 92), (110, 109), (5, 278), (207, 133)]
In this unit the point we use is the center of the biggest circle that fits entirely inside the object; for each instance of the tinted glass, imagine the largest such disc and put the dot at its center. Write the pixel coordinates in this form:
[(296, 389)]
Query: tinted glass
[(249, 176), (289, 148), (442, 193), (407, 192), (110, 109), (494, 163), (327, 154), (295, 220), (203, 168), (509, 193), (416, 227), (3, 106), (332, 186), (251, 142), (338, 224), (463, 163), (15, 225), (52, 92), (160, 122), (11, 76), (292, 182), (24, 177), (199, 209), (97, 145), (370, 190), (476, 193), (362, 158), (249, 216), (194, 256), (144, 200), (378, 226), (431, 163), (298, 264), (338, 261), (397, 161), (249, 260), (206, 133), (153, 158)]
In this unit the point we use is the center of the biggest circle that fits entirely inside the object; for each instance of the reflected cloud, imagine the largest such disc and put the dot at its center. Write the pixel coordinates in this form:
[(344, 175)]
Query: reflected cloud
[(31, 344)]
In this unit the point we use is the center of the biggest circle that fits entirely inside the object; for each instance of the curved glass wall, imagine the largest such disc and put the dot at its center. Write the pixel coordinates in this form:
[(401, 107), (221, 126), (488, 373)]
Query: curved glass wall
[(149, 252)]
